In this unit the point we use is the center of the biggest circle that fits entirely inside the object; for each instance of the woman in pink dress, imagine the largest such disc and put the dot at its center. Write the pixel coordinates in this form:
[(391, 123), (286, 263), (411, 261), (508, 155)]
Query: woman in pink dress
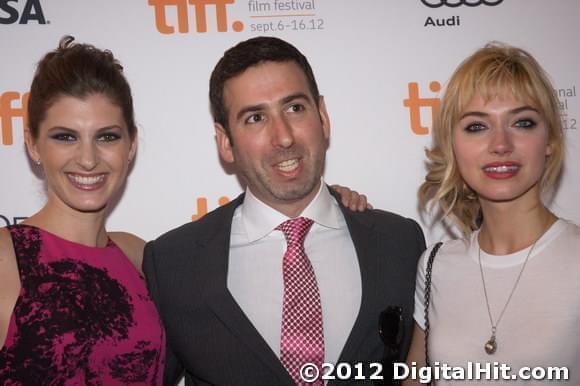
[(74, 308)]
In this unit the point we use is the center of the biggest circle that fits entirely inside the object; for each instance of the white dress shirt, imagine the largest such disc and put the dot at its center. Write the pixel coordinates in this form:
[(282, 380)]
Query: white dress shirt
[(255, 268)]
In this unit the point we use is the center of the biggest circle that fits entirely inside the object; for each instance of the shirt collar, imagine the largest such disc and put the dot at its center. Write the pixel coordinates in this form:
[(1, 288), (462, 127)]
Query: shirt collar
[(259, 219)]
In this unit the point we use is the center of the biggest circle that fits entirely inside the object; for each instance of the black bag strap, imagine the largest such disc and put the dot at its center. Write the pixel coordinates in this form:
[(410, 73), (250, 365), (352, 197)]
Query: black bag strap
[(428, 298)]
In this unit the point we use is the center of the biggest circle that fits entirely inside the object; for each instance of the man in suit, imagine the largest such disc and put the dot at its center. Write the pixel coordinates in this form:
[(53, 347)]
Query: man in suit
[(224, 284)]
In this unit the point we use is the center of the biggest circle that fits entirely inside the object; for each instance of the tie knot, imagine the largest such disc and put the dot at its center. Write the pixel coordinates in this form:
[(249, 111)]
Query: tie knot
[(295, 229)]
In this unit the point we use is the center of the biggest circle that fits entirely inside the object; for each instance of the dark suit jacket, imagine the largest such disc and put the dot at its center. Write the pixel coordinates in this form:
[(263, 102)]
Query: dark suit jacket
[(209, 336)]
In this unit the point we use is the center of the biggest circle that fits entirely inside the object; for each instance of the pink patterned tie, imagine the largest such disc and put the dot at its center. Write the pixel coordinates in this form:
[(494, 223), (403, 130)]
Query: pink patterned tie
[(302, 338)]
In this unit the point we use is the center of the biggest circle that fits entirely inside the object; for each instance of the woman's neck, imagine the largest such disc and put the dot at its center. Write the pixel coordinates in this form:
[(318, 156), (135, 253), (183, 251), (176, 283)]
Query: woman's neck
[(512, 226), (80, 227)]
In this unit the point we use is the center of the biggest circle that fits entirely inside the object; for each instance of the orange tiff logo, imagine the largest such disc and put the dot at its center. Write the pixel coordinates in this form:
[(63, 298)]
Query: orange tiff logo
[(182, 10), (8, 113), (415, 103), (202, 207)]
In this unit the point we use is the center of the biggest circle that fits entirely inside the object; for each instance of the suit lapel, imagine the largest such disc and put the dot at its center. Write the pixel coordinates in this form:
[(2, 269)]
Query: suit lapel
[(224, 306), (221, 301), (365, 240)]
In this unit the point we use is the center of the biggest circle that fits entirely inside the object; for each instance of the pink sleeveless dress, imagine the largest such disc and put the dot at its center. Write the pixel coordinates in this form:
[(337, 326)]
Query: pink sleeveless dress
[(83, 317)]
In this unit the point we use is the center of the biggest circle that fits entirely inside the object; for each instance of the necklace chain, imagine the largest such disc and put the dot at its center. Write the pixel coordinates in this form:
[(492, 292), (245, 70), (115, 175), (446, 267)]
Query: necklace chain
[(494, 326), (491, 344)]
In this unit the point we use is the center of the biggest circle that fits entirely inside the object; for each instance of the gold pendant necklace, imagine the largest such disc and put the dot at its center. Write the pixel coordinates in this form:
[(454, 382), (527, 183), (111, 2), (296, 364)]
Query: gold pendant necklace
[(491, 345)]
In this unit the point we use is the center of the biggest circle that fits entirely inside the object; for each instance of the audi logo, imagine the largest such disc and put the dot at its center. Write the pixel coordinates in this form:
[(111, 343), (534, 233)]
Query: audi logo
[(457, 3)]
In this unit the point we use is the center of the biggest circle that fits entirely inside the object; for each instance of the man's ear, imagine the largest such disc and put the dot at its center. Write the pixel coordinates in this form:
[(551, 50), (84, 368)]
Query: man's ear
[(224, 144), (324, 117), (31, 145)]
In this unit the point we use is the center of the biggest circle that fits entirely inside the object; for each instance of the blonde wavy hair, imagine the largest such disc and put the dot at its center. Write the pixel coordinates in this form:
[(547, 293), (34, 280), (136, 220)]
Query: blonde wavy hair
[(492, 70)]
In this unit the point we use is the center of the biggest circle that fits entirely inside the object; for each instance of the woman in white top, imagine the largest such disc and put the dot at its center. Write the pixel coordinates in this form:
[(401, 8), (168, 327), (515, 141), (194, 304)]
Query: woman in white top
[(509, 292)]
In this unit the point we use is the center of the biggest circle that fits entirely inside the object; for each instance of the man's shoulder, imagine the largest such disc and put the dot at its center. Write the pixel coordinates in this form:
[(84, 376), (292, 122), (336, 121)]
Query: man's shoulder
[(212, 222), (379, 220), (383, 221), (393, 229)]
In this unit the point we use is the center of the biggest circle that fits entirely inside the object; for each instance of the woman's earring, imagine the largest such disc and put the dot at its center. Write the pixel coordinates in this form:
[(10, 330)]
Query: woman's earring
[(37, 162)]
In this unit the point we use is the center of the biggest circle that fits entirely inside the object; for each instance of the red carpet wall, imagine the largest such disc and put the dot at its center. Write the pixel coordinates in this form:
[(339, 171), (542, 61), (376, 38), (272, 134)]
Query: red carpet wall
[(379, 63)]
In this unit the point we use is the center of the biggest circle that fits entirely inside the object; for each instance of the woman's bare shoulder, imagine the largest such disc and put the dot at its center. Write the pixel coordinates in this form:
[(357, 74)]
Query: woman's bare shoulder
[(131, 245), (9, 282), (6, 248)]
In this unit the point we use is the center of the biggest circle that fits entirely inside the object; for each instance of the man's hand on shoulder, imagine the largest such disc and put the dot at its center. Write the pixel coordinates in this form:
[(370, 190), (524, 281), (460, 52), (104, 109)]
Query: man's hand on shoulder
[(352, 199)]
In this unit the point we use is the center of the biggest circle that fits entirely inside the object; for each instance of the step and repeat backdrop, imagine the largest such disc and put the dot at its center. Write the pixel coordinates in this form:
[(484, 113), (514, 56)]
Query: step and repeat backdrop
[(380, 64)]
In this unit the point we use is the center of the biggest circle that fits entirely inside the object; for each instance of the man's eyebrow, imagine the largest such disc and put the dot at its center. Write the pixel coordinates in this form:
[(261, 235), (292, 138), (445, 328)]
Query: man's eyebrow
[(263, 106), (290, 98), (249, 109)]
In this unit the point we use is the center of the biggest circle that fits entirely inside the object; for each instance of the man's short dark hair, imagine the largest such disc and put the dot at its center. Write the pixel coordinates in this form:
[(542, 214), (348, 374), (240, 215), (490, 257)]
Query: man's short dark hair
[(250, 53)]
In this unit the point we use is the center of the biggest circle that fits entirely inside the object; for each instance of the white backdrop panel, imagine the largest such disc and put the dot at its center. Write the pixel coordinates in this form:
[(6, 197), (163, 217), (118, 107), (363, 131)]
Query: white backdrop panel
[(364, 55)]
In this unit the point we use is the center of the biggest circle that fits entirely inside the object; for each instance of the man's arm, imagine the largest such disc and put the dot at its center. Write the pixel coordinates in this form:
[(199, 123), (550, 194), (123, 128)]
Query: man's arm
[(173, 367)]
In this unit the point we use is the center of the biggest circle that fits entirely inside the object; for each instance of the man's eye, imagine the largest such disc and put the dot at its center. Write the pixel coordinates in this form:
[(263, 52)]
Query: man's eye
[(254, 118), (296, 108), (64, 137)]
